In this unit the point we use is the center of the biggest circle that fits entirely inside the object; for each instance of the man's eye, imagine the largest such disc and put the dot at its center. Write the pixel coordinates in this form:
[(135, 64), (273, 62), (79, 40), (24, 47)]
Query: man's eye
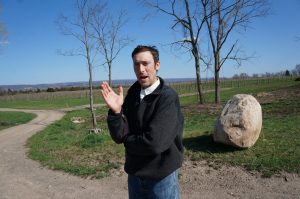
[(146, 63), (142, 63)]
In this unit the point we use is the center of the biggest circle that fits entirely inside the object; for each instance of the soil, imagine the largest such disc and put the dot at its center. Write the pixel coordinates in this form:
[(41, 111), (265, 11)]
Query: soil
[(21, 177)]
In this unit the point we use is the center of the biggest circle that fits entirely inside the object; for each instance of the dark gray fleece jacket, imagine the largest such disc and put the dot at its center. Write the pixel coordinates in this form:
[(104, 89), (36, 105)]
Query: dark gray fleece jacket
[(151, 131)]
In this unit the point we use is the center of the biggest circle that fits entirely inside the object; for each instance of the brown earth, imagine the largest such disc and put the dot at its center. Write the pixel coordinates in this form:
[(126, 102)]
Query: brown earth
[(21, 177)]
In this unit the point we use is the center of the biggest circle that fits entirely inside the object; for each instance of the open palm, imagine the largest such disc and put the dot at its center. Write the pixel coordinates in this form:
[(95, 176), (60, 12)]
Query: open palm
[(113, 100)]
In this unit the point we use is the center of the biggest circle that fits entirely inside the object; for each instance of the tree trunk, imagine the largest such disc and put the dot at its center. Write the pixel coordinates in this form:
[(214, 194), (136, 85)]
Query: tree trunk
[(94, 121), (217, 79), (199, 83), (217, 88), (109, 73)]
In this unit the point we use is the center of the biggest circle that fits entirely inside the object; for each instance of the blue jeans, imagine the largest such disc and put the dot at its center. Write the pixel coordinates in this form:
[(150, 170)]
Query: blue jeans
[(166, 188)]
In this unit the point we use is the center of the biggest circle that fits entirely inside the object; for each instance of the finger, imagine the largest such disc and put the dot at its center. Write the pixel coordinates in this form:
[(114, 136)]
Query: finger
[(107, 86), (103, 90), (121, 91), (106, 98), (102, 86), (104, 94)]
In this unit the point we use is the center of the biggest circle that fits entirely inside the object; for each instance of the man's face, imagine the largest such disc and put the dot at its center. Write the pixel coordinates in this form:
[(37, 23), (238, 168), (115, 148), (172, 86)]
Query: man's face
[(145, 68)]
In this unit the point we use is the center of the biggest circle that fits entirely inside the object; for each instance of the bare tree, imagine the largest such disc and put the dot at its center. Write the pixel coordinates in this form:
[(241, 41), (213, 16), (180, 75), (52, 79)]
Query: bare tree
[(222, 17), (190, 20), (108, 36), (80, 29)]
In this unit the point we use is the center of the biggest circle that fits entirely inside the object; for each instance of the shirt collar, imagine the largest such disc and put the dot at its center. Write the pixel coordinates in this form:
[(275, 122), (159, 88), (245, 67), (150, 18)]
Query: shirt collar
[(150, 89)]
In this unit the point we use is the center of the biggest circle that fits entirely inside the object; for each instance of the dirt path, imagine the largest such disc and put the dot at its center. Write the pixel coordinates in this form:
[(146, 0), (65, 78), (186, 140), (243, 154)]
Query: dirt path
[(23, 178)]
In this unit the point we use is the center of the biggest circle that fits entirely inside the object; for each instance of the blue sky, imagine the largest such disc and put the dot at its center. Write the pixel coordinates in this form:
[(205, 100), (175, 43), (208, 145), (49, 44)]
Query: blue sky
[(30, 56)]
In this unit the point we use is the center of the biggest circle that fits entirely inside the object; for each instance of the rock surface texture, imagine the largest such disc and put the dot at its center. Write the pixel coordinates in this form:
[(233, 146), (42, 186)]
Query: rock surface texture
[(240, 122)]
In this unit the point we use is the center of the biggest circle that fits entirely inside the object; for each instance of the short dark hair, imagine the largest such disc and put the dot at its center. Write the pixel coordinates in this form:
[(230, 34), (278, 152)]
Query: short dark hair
[(141, 48)]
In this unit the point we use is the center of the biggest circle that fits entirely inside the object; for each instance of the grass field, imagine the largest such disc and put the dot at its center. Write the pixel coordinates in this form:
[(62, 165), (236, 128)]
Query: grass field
[(9, 119), (67, 99), (69, 147), (277, 149), (51, 103)]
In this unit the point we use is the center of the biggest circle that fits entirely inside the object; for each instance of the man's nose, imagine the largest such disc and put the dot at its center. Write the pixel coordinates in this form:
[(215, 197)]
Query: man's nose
[(141, 68)]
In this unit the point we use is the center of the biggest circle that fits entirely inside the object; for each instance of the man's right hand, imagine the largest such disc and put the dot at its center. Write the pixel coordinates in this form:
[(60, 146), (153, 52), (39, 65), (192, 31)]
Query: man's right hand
[(113, 100)]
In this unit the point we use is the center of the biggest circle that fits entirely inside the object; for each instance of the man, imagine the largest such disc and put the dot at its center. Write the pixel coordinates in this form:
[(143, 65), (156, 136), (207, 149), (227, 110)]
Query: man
[(150, 124)]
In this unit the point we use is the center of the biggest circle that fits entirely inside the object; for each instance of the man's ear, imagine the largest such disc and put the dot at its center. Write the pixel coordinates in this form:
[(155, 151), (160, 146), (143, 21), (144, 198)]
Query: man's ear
[(157, 66)]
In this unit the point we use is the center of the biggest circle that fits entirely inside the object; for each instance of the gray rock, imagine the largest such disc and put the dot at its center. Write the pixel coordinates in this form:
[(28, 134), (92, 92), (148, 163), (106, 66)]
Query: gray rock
[(240, 122)]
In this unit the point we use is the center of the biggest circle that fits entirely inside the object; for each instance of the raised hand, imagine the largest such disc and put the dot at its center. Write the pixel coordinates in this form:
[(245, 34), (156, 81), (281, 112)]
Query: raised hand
[(113, 100)]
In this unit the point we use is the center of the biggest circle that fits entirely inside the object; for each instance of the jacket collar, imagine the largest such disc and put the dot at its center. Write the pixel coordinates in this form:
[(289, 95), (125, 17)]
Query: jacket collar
[(137, 87), (150, 89)]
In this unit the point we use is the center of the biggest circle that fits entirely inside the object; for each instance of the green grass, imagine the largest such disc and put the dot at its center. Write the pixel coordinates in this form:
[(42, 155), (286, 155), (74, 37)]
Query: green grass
[(277, 149), (47, 104), (67, 99), (70, 147), (245, 87), (9, 119)]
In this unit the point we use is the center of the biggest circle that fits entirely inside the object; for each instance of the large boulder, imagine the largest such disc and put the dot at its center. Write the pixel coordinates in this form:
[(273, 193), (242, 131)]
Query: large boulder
[(240, 122)]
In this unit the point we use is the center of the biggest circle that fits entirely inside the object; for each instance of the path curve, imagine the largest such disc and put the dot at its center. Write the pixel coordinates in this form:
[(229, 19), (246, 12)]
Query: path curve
[(23, 178)]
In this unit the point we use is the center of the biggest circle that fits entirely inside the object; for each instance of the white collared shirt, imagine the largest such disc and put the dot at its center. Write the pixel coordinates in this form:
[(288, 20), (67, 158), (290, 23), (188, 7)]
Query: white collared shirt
[(150, 89)]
